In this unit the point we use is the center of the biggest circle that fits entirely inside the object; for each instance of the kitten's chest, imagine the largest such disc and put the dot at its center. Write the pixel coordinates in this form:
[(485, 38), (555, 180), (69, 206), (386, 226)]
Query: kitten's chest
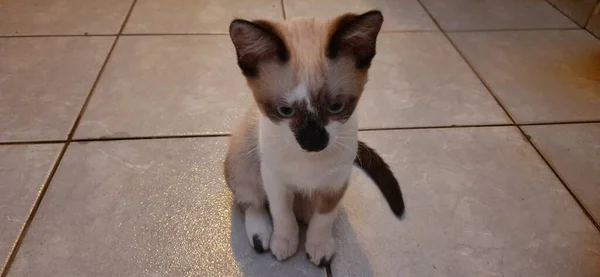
[(310, 170)]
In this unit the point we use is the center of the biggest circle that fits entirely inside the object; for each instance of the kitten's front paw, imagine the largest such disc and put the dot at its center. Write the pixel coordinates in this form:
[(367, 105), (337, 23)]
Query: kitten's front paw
[(320, 251), (258, 230), (283, 247)]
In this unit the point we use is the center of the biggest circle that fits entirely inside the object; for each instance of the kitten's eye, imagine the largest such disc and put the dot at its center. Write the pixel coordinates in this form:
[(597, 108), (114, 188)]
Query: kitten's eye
[(336, 108), (285, 111)]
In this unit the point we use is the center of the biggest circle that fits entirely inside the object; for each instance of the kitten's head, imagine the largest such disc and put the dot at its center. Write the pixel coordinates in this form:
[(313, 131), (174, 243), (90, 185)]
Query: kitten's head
[(307, 74)]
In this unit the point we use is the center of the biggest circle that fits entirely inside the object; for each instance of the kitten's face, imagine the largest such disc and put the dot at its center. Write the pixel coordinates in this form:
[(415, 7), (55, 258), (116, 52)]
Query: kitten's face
[(307, 75)]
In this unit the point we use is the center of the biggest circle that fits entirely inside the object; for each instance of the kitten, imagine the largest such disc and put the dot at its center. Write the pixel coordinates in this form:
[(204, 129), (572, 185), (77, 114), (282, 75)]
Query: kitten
[(294, 151)]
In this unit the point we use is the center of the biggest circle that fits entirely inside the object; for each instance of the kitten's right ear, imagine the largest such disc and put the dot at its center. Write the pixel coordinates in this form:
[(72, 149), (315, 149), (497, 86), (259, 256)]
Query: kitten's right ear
[(356, 36), (256, 42)]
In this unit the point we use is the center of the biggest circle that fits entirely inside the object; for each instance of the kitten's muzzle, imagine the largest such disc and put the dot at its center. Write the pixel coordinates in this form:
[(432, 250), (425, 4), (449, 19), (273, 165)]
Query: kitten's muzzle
[(312, 136)]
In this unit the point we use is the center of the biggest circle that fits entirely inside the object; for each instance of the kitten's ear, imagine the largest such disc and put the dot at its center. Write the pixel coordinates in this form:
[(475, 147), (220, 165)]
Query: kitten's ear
[(256, 42), (355, 35)]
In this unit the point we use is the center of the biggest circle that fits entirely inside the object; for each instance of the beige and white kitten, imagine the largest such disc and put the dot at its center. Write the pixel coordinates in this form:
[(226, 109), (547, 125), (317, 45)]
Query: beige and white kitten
[(294, 151)]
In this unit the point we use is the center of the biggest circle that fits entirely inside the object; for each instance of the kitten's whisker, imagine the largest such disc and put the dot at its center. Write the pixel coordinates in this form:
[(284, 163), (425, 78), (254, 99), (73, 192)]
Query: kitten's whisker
[(343, 145)]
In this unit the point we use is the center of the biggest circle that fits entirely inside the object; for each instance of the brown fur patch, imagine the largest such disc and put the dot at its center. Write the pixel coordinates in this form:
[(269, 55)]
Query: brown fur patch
[(242, 163), (327, 200), (324, 201)]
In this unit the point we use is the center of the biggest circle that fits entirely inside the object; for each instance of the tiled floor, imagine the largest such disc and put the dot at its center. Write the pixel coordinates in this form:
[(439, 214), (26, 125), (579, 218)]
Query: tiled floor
[(114, 117)]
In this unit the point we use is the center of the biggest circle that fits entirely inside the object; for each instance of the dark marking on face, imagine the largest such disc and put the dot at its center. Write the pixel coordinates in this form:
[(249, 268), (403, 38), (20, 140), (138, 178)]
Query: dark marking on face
[(311, 135), (324, 99), (308, 128), (269, 109), (307, 125)]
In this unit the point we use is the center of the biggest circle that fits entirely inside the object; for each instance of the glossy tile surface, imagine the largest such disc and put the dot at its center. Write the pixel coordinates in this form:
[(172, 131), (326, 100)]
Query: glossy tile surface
[(579, 10), (539, 76), (140, 189), (155, 208), (574, 151), (23, 171), (167, 85), (479, 202), (197, 16), (400, 15), (418, 79), (44, 82), (34, 17), (496, 14)]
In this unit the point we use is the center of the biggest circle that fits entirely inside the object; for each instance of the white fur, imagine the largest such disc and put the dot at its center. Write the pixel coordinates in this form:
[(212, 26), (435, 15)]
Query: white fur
[(284, 241), (258, 223), (319, 237), (286, 168), (300, 93)]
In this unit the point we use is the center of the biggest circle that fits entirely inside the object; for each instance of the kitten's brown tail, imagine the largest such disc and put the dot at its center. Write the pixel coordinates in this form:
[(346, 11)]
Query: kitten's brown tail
[(372, 164)]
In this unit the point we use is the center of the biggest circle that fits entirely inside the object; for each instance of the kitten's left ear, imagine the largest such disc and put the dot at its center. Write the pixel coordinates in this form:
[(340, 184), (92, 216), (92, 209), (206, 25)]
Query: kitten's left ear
[(355, 36)]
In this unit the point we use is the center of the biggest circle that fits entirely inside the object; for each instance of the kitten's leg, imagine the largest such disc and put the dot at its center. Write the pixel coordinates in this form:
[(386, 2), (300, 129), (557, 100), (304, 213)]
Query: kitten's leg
[(258, 227), (242, 174), (284, 241), (320, 244), (252, 198)]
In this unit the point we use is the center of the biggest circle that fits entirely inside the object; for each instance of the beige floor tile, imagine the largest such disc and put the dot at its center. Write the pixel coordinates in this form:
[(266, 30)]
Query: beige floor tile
[(44, 82), (23, 171), (399, 15), (144, 208), (197, 16), (34, 17), (479, 202), (538, 75), (594, 24), (496, 14), (167, 85), (418, 79), (574, 151), (579, 11)]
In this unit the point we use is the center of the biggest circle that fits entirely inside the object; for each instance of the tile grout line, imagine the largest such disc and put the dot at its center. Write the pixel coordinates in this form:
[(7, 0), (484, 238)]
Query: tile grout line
[(112, 35), (513, 30), (408, 31), (453, 126), (32, 211), (57, 35), (521, 131), (560, 122), (31, 142), (569, 17), (57, 162), (227, 134), (84, 140), (174, 34), (594, 10), (565, 15), (562, 181), (283, 9)]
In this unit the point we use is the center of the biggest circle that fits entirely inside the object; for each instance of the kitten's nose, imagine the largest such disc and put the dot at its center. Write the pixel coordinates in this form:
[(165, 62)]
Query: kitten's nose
[(312, 137)]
